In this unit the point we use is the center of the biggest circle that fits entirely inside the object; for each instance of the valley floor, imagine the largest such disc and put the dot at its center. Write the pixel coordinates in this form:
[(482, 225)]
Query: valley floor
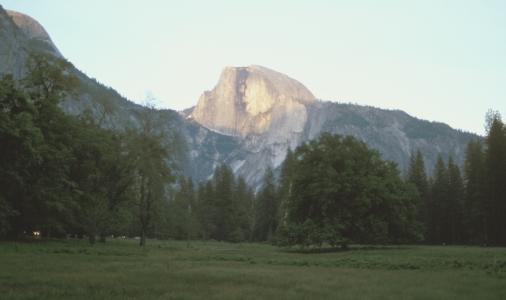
[(119, 269)]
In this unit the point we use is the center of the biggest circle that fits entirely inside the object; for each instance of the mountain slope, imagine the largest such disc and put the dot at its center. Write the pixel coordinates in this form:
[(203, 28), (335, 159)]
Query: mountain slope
[(289, 116), (198, 149)]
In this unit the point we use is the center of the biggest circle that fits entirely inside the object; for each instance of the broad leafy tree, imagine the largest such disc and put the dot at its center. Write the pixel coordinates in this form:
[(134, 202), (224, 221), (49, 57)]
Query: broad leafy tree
[(344, 192)]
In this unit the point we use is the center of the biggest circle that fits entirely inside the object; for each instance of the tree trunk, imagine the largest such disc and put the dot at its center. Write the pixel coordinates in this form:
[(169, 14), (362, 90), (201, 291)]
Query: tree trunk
[(143, 238)]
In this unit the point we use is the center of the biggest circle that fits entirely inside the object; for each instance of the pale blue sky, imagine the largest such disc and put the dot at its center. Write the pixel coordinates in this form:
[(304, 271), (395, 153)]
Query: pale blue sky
[(437, 60)]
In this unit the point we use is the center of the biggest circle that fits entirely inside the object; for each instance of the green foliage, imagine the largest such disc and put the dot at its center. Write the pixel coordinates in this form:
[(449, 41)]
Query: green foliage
[(225, 205), (65, 175), (266, 209), (219, 209), (417, 176), (474, 211), (495, 161), (468, 208), (342, 191), (182, 212), (446, 204), (151, 173), (37, 141)]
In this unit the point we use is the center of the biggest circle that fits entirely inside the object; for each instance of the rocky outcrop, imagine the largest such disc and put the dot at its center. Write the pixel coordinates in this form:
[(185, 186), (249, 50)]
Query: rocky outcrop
[(270, 112), (254, 100), (35, 33), (264, 109), (13, 46)]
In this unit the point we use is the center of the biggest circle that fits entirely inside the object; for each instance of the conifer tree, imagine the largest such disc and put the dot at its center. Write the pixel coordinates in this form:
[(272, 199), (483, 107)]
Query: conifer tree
[(244, 215), (438, 224), (266, 210), (225, 204), (455, 203), (496, 179), (474, 207), (418, 177), (286, 185)]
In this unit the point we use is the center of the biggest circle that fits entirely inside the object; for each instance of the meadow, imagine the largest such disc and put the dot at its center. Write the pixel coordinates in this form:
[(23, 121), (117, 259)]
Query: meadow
[(119, 269)]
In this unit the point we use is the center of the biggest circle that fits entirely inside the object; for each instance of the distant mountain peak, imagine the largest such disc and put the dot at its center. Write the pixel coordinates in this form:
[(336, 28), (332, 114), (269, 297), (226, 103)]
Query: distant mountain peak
[(249, 100), (33, 30)]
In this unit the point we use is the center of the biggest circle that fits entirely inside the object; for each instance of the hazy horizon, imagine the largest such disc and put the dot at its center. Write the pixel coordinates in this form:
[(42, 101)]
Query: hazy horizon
[(440, 62)]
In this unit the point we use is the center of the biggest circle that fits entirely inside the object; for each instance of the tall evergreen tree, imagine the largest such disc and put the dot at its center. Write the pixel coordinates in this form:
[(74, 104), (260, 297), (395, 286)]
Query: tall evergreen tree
[(496, 179), (455, 203), (183, 212), (266, 208), (438, 225), (286, 185), (475, 196), (418, 177), (206, 210), (244, 215), (226, 205)]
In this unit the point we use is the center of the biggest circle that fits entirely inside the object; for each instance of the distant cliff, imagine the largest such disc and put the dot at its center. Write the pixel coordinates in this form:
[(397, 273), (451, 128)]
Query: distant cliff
[(271, 112)]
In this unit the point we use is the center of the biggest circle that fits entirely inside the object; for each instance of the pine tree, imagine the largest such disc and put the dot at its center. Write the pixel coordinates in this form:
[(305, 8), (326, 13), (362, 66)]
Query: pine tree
[(183, 211), (438, 225), (475, 196), (266, 210), (244, 215), (496, 179), (286, 185), (206, 210), (418, 177), (225, 204), (455, 203)]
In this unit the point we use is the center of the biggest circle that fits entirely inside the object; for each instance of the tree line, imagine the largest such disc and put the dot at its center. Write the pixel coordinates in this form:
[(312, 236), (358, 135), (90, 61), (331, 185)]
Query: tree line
[(465, 205), (62, 174), (335, 191)]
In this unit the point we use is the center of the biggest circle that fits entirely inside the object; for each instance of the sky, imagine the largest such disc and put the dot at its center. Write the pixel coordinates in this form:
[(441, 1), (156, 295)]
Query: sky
[(438, 60)]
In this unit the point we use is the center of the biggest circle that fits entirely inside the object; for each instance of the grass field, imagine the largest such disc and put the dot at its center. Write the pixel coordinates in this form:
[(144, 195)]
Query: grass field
[(214, 270)]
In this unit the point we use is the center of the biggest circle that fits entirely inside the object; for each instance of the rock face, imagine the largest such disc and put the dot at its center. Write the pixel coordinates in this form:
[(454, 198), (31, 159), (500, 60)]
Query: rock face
[(33, 31), (264, 109), (269, 113), (253, 100), (20, 35), (13, 46)]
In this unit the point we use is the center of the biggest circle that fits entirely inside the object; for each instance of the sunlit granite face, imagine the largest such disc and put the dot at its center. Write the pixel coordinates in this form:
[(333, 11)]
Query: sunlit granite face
[(250, 100)]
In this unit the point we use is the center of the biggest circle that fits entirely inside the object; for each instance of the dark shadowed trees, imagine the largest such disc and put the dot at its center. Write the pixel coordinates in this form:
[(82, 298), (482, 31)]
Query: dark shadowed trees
[(266, 209), (475, 183), (418, 177), (496, 179), (343, 192)]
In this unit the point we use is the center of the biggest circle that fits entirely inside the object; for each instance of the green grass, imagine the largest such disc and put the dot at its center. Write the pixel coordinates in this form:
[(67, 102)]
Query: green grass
[(214, 270)]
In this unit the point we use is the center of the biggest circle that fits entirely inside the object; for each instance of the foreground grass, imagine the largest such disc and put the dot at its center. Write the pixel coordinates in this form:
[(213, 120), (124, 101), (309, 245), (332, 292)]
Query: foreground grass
[(214, 270)]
